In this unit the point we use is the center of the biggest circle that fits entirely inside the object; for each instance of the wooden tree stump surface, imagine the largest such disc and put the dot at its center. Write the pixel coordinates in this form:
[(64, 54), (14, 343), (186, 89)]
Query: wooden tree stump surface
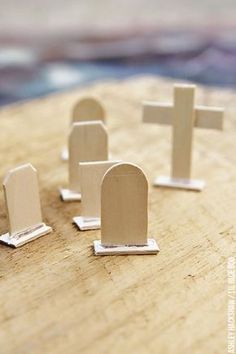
[(57, 297)]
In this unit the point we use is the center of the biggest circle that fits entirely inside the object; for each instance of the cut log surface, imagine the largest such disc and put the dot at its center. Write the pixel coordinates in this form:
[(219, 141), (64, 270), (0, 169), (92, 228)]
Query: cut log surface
[(57, 297)]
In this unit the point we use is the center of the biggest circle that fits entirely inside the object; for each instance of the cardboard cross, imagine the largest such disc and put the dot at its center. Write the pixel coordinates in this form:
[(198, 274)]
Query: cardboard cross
[(124, 213), (183, 115)]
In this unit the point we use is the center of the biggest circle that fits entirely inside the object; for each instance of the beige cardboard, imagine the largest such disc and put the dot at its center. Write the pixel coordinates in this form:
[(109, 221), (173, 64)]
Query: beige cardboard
[(91, 175), (22, 198), (88, 141), (124, 199)]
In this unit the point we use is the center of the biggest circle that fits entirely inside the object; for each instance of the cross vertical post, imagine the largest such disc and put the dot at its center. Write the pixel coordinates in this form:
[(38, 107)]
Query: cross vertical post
[(183, 122)]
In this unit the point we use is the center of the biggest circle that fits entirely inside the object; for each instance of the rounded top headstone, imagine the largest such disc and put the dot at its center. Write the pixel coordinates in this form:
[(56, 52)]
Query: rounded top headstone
[(125, 168), (22, 198), (88, 109), (124, 197)]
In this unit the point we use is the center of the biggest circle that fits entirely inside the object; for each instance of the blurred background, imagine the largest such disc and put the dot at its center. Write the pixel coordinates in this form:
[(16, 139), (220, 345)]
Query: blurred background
[(52, 45)]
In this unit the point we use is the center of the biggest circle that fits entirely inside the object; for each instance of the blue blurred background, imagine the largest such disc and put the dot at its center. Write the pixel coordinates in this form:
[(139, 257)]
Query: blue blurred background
[(52, 46)]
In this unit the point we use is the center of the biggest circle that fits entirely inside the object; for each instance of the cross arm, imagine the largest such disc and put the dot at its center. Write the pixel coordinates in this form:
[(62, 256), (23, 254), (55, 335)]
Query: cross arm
[(159, 113), (209, 117), (162, 113)]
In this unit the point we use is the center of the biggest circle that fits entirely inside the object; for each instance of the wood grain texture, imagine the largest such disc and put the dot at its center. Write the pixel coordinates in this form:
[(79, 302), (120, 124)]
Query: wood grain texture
[(56, 297)]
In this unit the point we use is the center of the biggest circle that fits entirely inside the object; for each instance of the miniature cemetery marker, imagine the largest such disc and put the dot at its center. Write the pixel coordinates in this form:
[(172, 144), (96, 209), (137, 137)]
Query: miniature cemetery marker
[(86, 109), (91, 175), (184, 116), (88, 141), (23, 207), (124, 214)]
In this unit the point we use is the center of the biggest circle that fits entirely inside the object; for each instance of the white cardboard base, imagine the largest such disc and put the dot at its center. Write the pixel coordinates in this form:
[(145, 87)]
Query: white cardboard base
[(23, 238), (191, 184), (100, 250), (65, 154), (70, 196), (87, 223)]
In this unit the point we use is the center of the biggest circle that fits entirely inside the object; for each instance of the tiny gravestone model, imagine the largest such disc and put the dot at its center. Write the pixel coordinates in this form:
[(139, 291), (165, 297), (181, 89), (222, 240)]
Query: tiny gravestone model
[(91, 175), (23, 207), (184, 116), (124, 213), (88, 141), (86, 109)]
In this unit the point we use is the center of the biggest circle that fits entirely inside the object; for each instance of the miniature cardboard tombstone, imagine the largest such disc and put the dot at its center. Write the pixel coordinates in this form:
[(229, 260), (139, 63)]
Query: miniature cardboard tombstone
[(88, 141), (124, 214), (184, 116), (86, 109), (23, 207), (91, 175)]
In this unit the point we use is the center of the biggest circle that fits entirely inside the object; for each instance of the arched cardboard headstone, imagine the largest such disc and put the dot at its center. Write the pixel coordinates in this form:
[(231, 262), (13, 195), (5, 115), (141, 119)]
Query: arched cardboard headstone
[(23, 206), (88, 141), (124, 213), (86, 109), (91, 175)]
